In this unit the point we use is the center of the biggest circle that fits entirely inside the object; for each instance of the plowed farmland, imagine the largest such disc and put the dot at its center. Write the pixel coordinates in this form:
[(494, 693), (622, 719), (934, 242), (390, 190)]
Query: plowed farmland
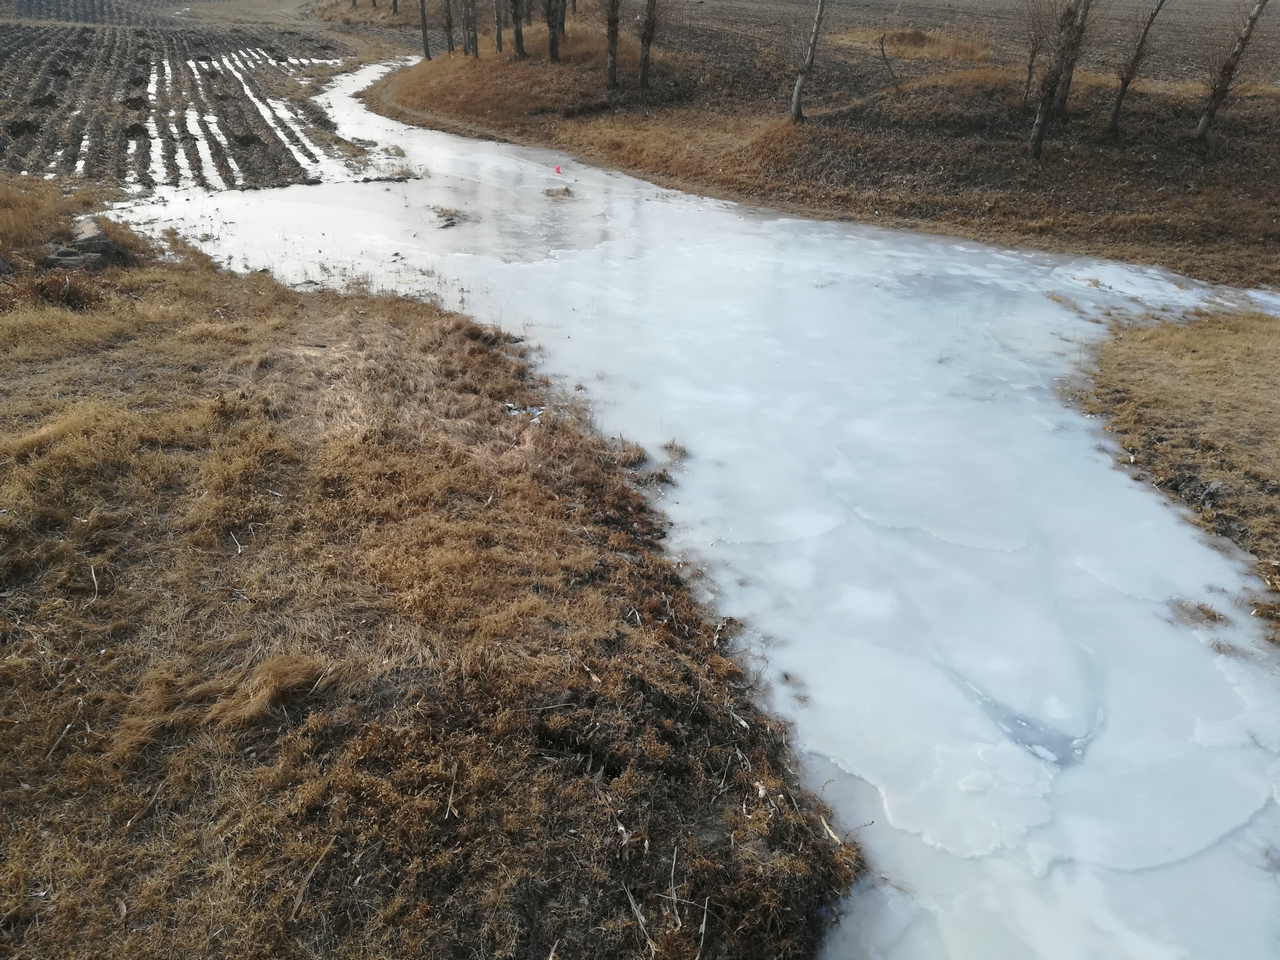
[(172, 101)]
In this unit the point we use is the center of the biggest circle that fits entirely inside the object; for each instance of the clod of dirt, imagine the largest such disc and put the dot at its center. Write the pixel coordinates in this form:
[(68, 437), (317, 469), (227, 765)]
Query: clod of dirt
[(59, 72), (7, 268), (137, 80), (20, 128), (48, 100), (136, 103), (137, 131)]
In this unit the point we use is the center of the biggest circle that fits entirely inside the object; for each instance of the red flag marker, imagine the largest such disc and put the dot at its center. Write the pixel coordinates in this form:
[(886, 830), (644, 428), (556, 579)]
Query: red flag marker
[(557, 168)]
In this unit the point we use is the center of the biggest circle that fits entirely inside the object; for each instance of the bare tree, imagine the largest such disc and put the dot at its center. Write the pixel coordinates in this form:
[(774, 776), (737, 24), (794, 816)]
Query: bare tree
[(448, 25), (797, 112), (426, 43), (395, 7), (648, 27), (1037, 19), (517, 28), (612, 14), (473, 26), (1226, 73), (1056, 85), (499, 14), (553, 30), (1130, 68)]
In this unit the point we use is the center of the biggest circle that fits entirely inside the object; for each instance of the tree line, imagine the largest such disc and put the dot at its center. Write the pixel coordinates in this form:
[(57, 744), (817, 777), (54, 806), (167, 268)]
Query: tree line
[(1055, 32), (520, 13)]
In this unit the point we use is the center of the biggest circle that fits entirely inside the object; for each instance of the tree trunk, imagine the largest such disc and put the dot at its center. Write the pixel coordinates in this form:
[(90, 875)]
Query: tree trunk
[(498, 17), (1057, 79), (553, 33), (1130, 69), (1226, 73), (613, 13), (563, 10), (426, 43), (1074, 40), (395, 7), (797, 112), (517, 28), (1032, 56), (647, 30), (448, 25), (474, 9)]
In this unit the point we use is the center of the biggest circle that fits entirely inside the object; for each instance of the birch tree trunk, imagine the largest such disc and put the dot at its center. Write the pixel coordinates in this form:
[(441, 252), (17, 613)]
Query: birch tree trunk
[(1057, 79), (1221, 85), (1130, 70), (797, 112)]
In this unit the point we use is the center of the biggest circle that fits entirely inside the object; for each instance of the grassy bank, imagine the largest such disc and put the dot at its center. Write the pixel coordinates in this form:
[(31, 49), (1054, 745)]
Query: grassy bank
[(314, 639), (1196, 408), (944, 152)]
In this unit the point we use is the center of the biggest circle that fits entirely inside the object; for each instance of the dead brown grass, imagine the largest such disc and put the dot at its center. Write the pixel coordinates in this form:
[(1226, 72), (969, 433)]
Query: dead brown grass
[(309, 646), (33, 212), (1197, 406)]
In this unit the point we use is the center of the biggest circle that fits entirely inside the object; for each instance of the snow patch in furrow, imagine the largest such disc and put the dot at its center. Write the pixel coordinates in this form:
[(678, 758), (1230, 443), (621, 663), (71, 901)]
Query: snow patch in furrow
[(157, 170), (266, 113), (81, 157), (209, 168), (298, 125), (152, 84)]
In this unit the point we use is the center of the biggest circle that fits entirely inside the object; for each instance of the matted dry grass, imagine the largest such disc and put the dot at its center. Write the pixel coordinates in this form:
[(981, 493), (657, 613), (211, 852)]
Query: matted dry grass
[(1197, 406), (313, 643)]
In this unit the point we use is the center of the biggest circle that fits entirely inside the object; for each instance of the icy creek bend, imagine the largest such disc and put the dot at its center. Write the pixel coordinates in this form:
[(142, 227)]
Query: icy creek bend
[(967, 609)]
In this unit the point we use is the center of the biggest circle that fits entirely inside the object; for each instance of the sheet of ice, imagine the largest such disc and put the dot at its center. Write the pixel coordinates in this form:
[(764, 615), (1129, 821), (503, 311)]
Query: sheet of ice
[(967, 609)]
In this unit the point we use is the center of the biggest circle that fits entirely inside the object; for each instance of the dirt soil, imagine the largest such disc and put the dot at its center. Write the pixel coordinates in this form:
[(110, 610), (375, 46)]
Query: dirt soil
[(942, 151)]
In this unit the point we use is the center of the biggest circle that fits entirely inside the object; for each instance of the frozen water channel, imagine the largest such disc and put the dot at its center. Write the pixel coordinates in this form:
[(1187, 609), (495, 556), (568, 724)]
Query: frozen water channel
[(982, 628)]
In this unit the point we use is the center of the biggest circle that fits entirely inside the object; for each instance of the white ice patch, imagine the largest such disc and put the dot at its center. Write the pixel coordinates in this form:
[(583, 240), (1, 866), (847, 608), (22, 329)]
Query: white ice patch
[(970, 599)]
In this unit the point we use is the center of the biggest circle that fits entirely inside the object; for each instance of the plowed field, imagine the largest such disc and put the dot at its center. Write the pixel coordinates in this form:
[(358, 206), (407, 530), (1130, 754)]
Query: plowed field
[(169, 101)]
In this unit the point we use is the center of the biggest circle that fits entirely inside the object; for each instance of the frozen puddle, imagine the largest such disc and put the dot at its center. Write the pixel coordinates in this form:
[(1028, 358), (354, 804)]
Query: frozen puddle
[(969, 612)]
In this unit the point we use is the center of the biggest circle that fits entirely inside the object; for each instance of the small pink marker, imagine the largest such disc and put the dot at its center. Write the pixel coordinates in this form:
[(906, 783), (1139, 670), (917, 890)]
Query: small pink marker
[(557, 168)]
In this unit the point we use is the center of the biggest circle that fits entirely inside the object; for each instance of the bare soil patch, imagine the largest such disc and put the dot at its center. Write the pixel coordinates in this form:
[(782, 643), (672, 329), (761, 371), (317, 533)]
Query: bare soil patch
[(324, 630)]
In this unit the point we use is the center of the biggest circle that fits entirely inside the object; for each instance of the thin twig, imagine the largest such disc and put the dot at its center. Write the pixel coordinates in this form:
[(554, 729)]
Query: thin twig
[(702, 931), (93, 573), (675, 901), (453, 780), (297, 901), (644, 930), (66, 729)]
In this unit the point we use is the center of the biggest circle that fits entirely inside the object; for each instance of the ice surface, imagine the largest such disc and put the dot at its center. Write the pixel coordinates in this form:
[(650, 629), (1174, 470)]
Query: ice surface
[(965, 606)]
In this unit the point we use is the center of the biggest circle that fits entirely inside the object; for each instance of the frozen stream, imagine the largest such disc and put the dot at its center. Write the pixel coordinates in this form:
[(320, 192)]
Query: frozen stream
[(976, 620)]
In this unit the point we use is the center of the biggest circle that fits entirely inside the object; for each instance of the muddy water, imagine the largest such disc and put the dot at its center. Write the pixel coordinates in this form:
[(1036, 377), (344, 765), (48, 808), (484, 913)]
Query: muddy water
[(981, 627)]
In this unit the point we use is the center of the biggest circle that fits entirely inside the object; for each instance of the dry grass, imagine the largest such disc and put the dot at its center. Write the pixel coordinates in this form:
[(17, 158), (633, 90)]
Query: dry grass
[(1197, 406), (341, 11), (308, 646), (910, 43), (33, 212)]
